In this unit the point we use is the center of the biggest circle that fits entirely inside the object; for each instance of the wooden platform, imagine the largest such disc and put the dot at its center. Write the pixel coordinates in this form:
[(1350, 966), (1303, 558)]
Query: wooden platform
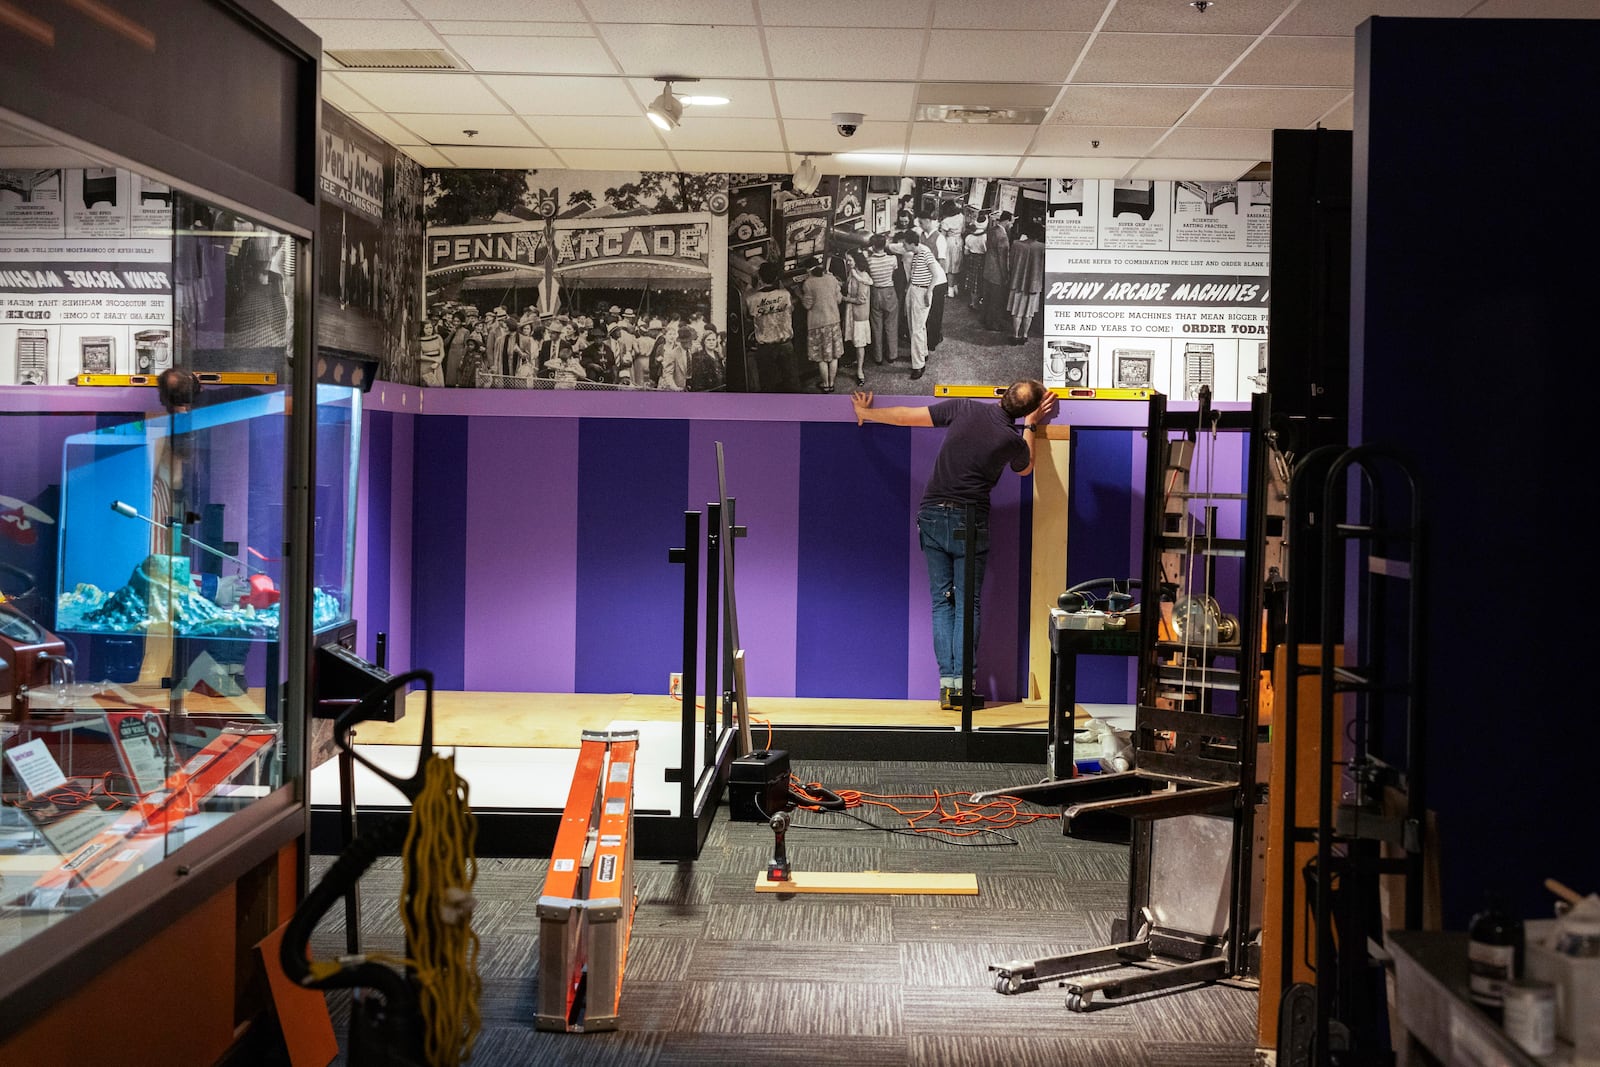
[(961, 885), (556, 720)]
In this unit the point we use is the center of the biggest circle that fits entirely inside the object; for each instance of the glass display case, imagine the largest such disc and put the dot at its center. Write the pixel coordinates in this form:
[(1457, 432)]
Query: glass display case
[(146, 590)]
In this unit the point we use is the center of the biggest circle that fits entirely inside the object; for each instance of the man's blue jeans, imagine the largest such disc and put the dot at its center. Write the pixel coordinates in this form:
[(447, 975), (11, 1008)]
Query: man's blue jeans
[(937, 525)]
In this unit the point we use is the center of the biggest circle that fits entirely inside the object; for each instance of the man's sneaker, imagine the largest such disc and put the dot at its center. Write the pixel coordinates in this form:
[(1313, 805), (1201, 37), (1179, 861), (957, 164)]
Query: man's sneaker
[(947, 698)]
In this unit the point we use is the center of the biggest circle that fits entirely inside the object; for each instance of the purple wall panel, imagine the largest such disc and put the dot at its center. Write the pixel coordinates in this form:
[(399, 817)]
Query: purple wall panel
[(761, 461), (362, 591), (521, 549), (922, 670), (401, 496)]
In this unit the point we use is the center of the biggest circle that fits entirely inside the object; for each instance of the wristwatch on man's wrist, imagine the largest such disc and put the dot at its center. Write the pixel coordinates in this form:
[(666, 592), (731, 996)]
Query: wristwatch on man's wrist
[(1029, 426)]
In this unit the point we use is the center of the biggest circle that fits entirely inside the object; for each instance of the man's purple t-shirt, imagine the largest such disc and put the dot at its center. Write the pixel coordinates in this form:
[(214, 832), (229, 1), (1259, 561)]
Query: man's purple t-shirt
[(980, 444)]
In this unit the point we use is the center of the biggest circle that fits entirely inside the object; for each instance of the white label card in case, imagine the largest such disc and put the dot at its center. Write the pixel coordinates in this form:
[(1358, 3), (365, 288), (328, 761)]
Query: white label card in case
[(564, 865), (35, 767)]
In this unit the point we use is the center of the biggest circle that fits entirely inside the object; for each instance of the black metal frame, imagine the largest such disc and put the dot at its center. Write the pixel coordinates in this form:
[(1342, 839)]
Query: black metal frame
[(1353, 530), (1209, 767)]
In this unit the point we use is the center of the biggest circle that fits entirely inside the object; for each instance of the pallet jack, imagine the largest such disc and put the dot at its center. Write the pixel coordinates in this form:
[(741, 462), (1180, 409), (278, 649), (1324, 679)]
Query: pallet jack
[(586, 908), (1192, 795)]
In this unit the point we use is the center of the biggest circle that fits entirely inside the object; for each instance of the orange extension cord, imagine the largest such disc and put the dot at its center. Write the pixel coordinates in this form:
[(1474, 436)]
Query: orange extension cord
[(960, 819), (947, 814)]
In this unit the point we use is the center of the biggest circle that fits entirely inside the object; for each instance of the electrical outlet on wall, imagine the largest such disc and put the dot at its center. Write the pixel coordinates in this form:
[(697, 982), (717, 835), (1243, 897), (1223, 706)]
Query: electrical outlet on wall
[(675, 685)]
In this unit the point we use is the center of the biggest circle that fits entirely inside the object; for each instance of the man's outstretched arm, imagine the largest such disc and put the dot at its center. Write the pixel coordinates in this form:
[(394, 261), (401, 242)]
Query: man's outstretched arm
[(896, 416)]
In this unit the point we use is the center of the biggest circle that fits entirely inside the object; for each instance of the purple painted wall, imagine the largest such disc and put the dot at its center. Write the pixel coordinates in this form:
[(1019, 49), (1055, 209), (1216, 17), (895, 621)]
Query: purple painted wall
[(832, 589)]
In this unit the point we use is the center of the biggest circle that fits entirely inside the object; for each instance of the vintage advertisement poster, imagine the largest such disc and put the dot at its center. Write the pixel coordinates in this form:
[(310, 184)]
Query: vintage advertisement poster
[(33, 203), (81, 306), (1161, 285), (98, 202), (349, 229)]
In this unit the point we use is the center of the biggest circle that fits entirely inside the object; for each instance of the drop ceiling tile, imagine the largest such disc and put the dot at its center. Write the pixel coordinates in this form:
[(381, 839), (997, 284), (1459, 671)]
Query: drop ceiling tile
[(342, 96), (354, 9), (1002, 55), (1268, 109), (1088, 105), (844, 54), (814, 135), (694, 12), (701, 51), (385, 126), (857, 163), (501, 158), (971, 137), (878, 101), (533, 55), (615, 160), (960, 166), (1297, 61), (550, 94), (879, 13), (736, 135), (1174, 16), (1545, 9), (436, 93), (1198, 170), (739, 162), (747, 99), (441, 130), (373, 33), (470, 28), (1341, 17), (1075, 166), (502, 10), (988, 94), (1193, 142), (1017, 14), (428, 157), (1132, 141), (1341, 116), (1159, 58), (595, 131)]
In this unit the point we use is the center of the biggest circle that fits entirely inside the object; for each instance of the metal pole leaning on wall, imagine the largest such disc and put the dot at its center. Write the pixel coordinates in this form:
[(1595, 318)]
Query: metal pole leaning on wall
[(713, 650), (689, 556)]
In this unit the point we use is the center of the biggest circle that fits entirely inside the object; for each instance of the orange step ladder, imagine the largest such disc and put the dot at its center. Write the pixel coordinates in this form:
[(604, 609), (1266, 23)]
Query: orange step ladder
[(586, 909)]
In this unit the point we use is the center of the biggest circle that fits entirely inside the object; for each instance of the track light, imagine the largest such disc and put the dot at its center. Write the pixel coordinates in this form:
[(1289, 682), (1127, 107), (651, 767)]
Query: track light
[(666, 110), (806, 176)]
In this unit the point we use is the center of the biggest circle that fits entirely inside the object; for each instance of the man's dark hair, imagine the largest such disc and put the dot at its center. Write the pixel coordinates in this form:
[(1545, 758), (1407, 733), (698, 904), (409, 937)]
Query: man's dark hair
[(769, 272), (1022, 398), (878, 242)]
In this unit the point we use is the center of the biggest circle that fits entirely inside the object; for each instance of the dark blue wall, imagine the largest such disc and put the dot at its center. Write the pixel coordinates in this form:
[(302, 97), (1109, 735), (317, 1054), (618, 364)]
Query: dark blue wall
[(1472, 309)]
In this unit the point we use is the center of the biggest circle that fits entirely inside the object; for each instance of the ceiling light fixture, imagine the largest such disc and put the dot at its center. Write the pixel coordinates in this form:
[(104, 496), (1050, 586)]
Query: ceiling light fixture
[(806, 176), (666, 110)]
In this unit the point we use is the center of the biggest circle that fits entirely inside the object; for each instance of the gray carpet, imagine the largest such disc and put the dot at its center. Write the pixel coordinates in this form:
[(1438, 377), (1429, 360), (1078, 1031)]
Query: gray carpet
[(718, 974)]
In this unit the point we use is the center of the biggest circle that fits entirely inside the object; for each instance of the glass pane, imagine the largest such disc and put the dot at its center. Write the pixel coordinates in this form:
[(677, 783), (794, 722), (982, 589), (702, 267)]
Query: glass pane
[(144, 445)]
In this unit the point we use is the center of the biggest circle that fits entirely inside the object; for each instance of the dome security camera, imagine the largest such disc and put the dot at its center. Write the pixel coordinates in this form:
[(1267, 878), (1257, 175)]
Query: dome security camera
[(847, 122)]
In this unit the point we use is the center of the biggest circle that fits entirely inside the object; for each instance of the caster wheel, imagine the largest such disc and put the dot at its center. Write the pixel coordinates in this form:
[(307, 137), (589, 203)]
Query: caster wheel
[(1079, 1001), (1004, 985)]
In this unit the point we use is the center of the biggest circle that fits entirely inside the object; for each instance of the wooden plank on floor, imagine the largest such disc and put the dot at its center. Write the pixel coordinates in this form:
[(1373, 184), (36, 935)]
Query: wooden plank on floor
[(962, 885)]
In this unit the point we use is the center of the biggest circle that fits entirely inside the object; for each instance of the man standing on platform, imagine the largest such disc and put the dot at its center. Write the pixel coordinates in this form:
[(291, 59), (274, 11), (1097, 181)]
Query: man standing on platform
[(981, 444)]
